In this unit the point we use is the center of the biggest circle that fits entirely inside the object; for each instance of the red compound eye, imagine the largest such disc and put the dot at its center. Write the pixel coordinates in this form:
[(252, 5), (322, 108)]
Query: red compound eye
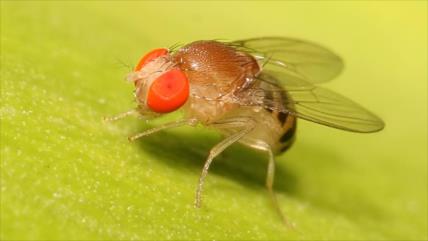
[(149, 57), (168, 92)]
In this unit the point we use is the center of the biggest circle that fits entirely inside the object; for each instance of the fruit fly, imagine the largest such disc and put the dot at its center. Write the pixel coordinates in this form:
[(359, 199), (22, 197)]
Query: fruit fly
[(252, 91)]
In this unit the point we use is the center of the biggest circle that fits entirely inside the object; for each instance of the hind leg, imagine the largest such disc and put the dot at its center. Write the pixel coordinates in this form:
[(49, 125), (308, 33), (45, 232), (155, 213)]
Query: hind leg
[(269, 184)]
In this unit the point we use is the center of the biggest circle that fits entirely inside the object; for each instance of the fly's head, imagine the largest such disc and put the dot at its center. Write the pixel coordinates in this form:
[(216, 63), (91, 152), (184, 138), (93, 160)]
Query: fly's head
[(160, 86)]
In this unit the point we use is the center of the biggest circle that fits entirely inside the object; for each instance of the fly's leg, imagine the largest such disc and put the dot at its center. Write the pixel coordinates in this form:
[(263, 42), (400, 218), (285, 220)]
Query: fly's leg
[(120, 115), (246, 125), (174, 124), (269, 184)]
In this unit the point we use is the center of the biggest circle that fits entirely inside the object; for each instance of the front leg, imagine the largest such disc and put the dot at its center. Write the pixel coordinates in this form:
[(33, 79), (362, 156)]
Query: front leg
[(169, 125), (244, 126), (120, 115)]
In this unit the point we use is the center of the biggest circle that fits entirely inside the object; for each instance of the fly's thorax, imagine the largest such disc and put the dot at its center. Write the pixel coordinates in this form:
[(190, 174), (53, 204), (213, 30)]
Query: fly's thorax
[(216, 72), (216, 68)]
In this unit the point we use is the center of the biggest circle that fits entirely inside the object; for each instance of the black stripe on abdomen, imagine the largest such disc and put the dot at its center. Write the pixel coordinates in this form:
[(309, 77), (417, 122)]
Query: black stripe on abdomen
[(287, 138), (288, 134), (282, 117)]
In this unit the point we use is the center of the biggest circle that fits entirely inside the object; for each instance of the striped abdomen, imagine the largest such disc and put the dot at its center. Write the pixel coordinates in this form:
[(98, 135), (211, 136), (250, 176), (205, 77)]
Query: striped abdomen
[(287, 122)]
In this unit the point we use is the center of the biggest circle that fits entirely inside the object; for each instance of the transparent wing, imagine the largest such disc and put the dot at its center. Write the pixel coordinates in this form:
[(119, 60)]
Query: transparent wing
[(301, 59), (315, 104)]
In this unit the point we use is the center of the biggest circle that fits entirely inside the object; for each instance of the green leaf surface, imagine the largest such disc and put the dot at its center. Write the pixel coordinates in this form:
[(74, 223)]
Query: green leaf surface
[(67, 175)]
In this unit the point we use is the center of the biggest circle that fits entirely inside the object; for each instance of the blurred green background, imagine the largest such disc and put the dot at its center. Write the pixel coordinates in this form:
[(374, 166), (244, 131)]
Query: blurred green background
[(67, 175)]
